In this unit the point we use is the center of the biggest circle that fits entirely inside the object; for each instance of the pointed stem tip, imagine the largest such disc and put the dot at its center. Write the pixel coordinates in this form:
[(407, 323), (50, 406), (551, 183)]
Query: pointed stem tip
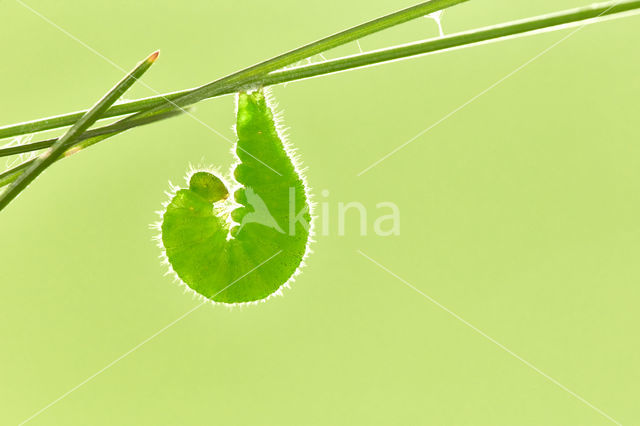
[(152, 58)]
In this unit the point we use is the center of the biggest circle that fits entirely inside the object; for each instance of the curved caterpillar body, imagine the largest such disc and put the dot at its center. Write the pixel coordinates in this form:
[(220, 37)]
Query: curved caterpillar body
[(244, 251)]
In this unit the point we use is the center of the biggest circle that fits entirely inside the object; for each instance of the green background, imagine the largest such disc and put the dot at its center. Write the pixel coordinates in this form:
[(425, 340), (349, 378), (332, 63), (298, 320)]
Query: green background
[(520, 214)]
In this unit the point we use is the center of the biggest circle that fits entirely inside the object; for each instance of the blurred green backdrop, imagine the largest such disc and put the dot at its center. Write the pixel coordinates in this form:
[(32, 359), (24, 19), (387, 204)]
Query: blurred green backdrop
[(520, 213)]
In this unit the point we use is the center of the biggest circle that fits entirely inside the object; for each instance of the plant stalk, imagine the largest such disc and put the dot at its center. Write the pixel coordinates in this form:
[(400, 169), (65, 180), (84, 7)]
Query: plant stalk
[(110, 130), (232, 82), (42, 162), (584, 16), (87, 139), (551, 22)]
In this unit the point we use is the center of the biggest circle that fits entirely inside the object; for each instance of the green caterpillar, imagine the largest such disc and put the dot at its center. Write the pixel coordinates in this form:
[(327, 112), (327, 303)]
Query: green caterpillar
[(249, 248)]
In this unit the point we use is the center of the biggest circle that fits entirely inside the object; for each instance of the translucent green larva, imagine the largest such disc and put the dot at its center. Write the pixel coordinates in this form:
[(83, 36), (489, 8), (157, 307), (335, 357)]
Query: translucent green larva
[(247, 248)]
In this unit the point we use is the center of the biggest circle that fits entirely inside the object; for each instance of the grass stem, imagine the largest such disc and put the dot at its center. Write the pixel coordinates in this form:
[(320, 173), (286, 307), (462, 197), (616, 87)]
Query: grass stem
[(267, 73), (233, 82), (42, 162)]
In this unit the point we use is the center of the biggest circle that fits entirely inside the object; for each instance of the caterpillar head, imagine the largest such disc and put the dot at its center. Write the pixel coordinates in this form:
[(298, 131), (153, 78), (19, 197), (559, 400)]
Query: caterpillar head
[(208, 186)]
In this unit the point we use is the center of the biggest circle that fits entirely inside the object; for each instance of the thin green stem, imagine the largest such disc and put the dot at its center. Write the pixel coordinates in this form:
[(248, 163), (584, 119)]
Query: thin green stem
[(87, 139), (111, 130), (233, 82), (464, 39), (552, 21), (13, 173), (544, 22), (70, 137)]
